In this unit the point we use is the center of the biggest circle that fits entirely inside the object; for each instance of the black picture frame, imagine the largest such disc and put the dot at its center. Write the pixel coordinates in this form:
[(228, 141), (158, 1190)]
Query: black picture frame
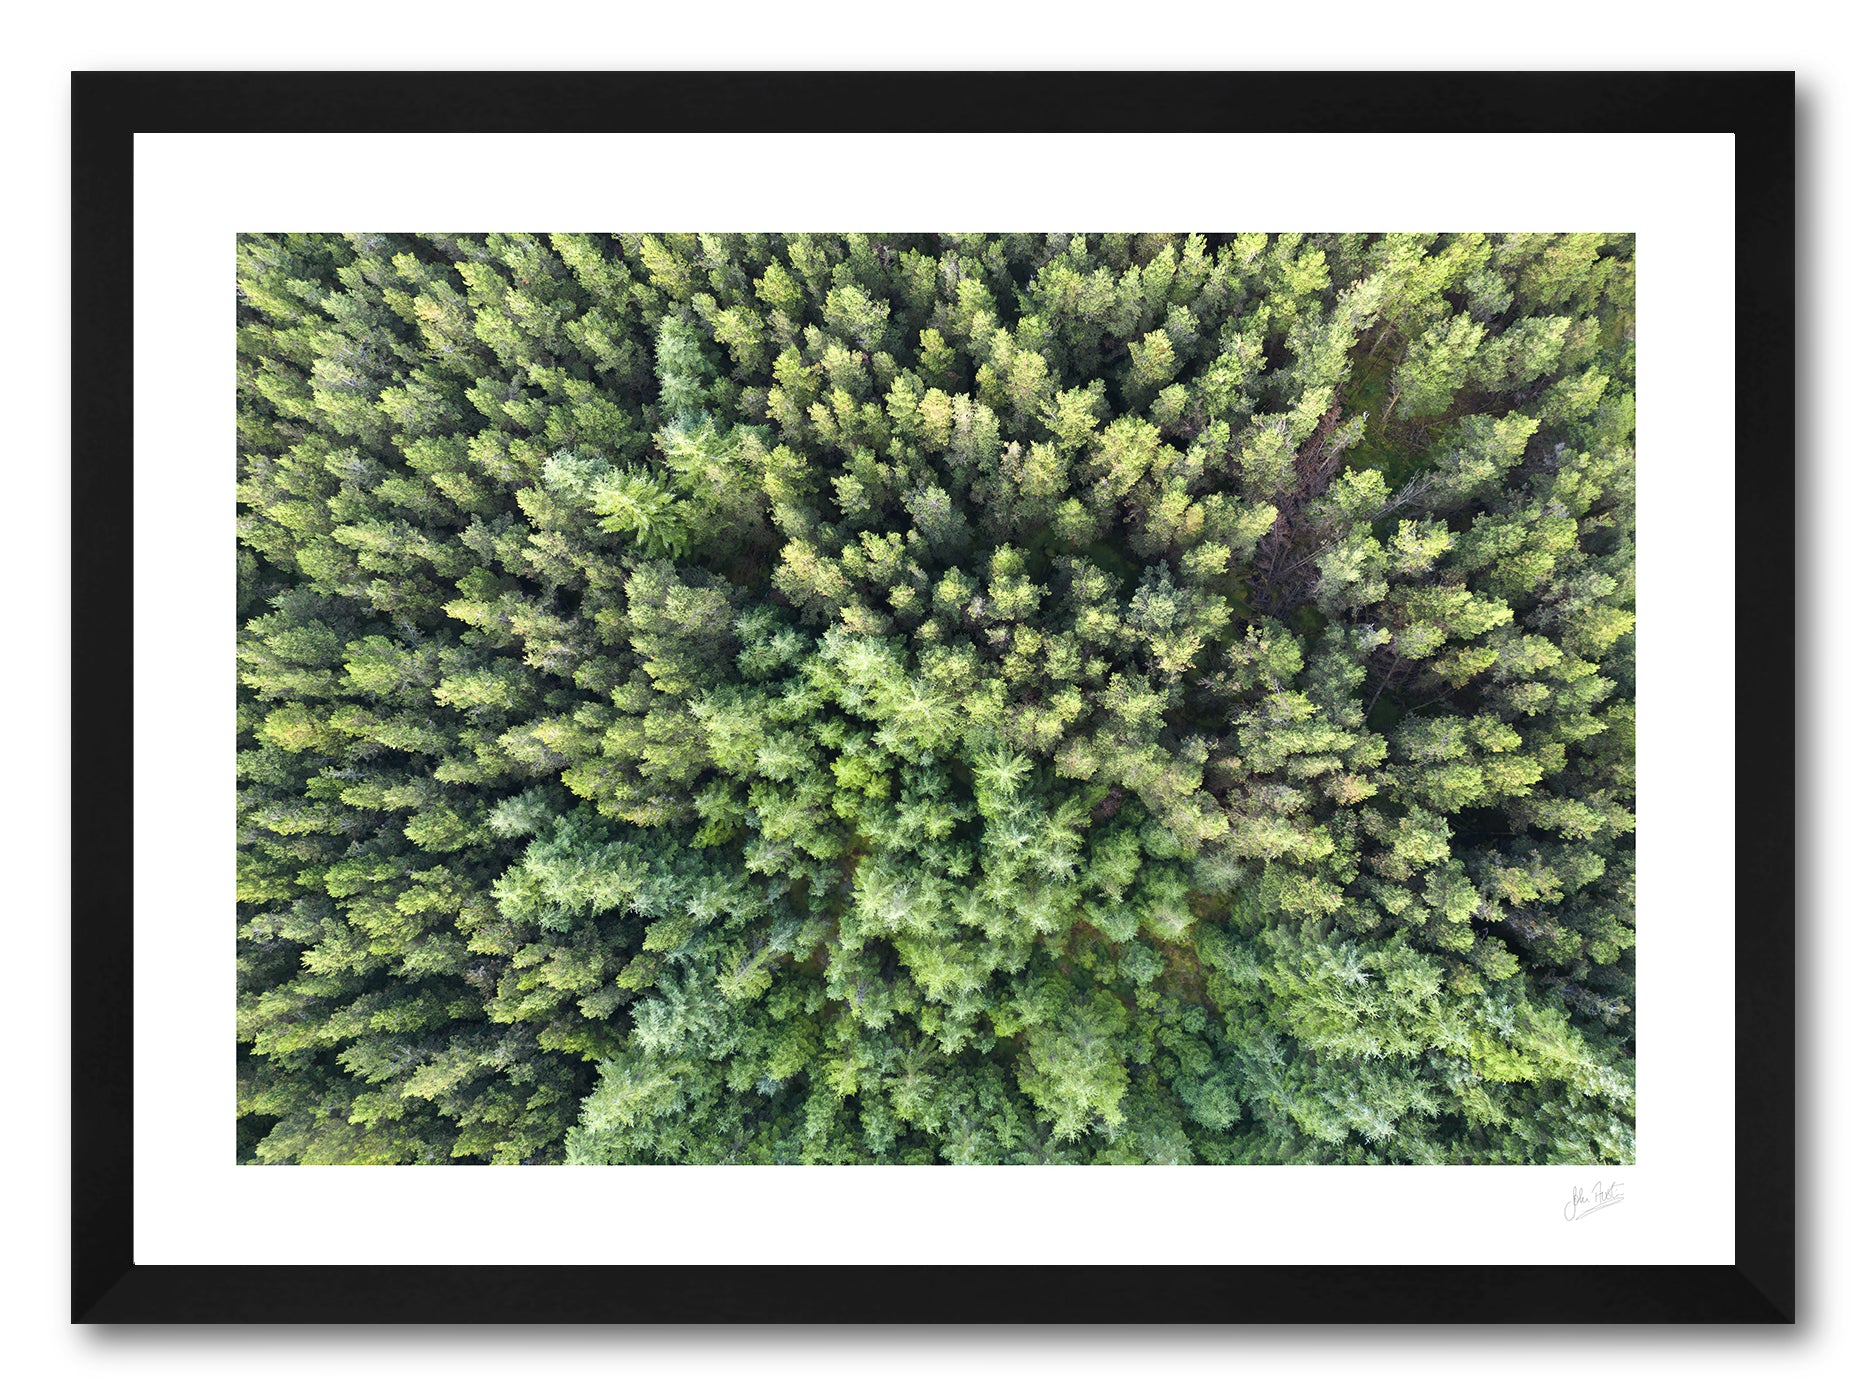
[(109, 107)]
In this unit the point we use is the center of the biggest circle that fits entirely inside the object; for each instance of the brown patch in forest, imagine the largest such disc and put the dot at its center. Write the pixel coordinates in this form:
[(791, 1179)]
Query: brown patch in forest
[(1107, 806), (1184, 975)]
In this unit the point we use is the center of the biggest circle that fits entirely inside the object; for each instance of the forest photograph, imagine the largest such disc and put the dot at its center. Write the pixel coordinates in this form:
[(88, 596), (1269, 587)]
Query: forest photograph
[(956, 699)]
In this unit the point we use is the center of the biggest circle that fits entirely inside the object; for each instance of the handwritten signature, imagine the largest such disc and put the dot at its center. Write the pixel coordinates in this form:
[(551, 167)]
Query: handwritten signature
[(1583, 1204)]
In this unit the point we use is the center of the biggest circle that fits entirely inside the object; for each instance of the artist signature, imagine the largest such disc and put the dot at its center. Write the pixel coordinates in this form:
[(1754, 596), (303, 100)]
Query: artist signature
[(1585, 1203)]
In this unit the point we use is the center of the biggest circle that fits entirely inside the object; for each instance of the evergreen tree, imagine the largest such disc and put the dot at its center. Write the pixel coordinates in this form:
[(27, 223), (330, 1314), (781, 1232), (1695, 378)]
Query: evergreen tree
[(965, 699)]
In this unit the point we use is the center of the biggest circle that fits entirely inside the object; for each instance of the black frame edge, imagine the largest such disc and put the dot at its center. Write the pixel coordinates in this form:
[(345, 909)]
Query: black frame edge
[(102, 674), (1765, 497), (546, 1294)]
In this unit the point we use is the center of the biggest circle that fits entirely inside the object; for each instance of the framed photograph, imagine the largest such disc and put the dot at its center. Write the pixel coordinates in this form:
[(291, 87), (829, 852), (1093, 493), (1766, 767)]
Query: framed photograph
[(1133, 748)]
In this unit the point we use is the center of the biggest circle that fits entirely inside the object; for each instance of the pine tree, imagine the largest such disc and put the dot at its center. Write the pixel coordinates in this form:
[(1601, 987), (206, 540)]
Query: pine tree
[(953, 699)]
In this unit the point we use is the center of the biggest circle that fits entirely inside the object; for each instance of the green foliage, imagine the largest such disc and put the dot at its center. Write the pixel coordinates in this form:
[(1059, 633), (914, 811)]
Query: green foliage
[(957, 699)]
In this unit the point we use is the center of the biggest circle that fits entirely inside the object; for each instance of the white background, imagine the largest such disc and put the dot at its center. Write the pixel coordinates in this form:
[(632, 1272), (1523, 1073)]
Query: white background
[(194, 1205), (46, 46)]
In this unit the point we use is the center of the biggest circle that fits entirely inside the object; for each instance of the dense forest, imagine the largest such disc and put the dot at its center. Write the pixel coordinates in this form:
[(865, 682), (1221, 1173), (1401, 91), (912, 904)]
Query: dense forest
[(935, 699)]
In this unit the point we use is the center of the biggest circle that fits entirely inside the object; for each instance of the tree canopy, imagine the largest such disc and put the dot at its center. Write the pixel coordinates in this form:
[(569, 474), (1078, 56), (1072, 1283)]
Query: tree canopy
[(936, 699)]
